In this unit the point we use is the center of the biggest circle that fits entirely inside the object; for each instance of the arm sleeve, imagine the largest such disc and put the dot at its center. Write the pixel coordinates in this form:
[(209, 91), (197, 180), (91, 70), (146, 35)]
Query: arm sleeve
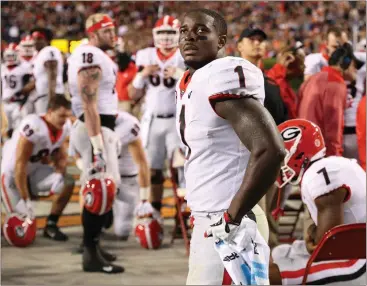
[(236, 79), (334, 100)]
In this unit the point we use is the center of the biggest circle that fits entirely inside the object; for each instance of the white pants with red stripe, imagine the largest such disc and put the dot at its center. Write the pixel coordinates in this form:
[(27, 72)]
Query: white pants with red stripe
[(124, 206), (292, 260), (40, 182)]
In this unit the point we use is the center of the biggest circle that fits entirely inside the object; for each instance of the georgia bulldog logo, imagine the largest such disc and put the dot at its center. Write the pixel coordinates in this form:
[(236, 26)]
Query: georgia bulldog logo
[(19, 231), (88, 199), (290, 133)]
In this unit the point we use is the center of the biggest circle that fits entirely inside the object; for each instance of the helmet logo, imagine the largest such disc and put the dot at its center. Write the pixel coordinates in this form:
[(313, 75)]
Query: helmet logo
[(19, 231), (88, 199), (290, 133)]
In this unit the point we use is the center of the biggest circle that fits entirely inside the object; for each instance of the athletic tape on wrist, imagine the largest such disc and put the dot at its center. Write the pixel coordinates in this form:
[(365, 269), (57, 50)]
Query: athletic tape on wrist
[(138, 81)]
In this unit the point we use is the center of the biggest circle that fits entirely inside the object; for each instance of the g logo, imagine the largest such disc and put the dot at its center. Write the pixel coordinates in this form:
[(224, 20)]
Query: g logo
[(88, 199), (19, 231), (290, 133)]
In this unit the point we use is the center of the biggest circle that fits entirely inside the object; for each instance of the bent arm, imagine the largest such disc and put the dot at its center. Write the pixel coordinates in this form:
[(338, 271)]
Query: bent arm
[(257, 131), (23, 154), (137, 152), (51, 69)]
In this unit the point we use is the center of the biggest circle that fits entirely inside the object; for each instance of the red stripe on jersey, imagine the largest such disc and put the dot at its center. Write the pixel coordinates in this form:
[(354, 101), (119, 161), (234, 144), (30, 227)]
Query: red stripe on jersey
[(185, 80), (318, 268), (163, 57), (53, 133), (227, 280)]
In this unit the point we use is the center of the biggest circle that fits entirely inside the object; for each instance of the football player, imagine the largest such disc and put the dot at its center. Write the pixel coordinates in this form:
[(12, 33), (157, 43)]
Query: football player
[(34, 162), (231, 140), (92, 77), (134, 172), (334, 191), (159, 69), (16, 85), (47, 69)]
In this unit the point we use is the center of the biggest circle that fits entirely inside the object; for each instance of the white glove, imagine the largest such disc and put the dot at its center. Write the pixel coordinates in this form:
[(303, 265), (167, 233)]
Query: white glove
[(58, 184), (25, 207), (98, 165), (145, 209), (225, 229)]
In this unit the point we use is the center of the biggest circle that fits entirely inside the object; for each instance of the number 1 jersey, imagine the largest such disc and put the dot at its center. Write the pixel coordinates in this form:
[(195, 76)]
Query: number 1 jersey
[(216, 158), (88, 56)]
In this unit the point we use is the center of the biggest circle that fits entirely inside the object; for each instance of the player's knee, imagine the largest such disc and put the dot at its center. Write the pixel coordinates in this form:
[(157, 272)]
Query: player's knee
[(156, 177)]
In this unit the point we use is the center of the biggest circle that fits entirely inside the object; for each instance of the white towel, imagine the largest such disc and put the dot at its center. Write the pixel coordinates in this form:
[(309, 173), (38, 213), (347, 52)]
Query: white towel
[(246, 256)]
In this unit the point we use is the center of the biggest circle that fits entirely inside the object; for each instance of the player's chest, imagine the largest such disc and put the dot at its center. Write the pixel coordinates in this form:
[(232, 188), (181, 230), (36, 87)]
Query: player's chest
[(46, 147), (11, 79)]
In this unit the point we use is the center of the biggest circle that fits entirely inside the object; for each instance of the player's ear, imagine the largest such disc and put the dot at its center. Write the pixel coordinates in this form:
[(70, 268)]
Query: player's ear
[(222, 40)]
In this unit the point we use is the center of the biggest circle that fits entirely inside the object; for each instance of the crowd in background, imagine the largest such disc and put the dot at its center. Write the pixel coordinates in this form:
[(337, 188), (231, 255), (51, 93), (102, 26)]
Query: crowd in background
[(285, 23)]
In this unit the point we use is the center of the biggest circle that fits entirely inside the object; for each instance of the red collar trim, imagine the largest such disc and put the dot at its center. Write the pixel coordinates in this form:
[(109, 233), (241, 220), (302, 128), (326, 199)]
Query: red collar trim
[(333, 72), (185, 80), (163, 57), (54, 136), (325, 56)]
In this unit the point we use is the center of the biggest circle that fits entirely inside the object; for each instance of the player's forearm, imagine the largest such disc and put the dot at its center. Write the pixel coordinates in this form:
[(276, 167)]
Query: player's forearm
[(144, 175), (262, 170), (52, 74), (92, 119), (135, 93), (21, 179), (28, 87), (60, 161)]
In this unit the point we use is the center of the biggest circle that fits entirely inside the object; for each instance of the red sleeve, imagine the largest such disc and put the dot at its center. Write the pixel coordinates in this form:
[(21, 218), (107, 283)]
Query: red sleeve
[(334, 104), (361, 131)]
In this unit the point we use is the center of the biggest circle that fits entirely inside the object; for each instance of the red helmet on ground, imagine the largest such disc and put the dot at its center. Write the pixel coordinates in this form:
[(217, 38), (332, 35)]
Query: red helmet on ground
[(19, 230), (149, 233), (10, 55), (166, 32), (99, 193), (304, 144)]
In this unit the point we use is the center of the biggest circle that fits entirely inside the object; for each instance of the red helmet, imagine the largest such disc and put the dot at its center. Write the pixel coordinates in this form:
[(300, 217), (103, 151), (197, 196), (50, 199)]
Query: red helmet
[(99, 193), (11, 55), (149, 233), (304, 144), (166, 32), (19, 230), (26, 47)]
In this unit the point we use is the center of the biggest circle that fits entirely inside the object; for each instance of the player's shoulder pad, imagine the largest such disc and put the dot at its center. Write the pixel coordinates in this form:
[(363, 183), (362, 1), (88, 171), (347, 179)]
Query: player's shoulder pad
[(86, 56), (323, 176), (30, 127), (235, 77), (144, 56)]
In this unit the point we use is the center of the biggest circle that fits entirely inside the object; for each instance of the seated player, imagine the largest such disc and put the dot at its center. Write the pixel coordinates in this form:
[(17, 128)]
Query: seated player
[(334, 191), (34, 162)]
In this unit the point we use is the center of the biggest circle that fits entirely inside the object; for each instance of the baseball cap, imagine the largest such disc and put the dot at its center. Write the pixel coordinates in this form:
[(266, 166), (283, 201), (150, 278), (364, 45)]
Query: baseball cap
[(252, 31)]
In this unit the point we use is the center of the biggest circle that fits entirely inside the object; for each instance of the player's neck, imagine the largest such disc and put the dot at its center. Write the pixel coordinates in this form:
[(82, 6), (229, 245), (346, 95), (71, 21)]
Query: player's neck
[(49, 123)]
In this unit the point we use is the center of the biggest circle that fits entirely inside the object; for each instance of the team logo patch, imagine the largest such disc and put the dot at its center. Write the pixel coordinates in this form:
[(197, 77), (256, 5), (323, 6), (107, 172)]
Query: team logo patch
[(19, 231), (88, 199), (290, 133)]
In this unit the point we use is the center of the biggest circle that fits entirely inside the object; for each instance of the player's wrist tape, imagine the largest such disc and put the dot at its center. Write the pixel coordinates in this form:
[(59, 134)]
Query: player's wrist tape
[(144, 194), (178, 73), (138, 81), (97, 144)]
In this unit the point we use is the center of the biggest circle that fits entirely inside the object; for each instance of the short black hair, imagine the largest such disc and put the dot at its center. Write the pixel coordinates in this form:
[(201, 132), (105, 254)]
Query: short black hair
[(58, 101), (337, 31), (219, 22)]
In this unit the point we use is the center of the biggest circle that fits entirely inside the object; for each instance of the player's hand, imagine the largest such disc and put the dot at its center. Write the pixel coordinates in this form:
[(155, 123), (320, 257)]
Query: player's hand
[(145, 209), (277, 213), (224, 229), (286, 58), (25, 207), (149, 70), (98, 165), (169, 72)]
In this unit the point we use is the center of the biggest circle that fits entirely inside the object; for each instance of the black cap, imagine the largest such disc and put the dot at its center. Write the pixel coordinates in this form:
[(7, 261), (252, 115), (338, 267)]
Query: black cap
[(252, 31)]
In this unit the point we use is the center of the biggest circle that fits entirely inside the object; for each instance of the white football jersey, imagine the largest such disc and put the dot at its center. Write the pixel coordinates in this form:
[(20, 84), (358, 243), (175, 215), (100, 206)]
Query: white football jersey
[(160, 92), (31, 60), (128, 130), (329, 174), (216, 158), (48, 53), (12, 79), (86, 56), (314, 63), (35, 129)]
